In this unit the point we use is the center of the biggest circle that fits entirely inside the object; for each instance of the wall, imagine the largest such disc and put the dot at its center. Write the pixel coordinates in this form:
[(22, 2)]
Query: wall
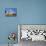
[(28, 12)]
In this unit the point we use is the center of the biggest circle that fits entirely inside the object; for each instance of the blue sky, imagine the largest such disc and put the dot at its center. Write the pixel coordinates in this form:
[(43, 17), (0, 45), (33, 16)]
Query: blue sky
[(12, 9)]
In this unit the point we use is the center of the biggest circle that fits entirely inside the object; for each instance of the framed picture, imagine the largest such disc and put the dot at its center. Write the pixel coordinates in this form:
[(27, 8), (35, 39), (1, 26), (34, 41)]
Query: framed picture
[(10, 11), (32, 32)]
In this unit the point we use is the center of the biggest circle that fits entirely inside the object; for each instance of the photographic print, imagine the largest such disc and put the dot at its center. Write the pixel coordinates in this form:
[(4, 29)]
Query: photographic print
[(33, 32), (28, 34), (10, 11)]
